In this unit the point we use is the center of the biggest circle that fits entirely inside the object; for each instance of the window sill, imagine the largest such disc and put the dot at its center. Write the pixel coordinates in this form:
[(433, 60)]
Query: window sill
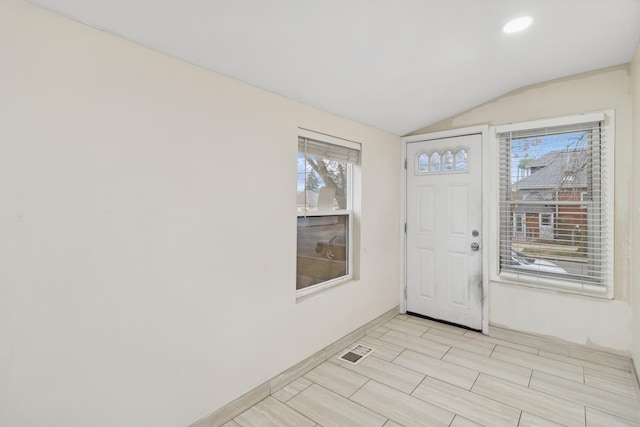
[(553, 284), (311, 291)]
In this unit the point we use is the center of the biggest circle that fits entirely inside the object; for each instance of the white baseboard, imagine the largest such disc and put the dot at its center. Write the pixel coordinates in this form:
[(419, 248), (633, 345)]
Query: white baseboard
[(232, 409)]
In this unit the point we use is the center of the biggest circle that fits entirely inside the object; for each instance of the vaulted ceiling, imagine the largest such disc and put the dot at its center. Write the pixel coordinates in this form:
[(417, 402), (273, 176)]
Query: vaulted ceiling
[(396, 65)]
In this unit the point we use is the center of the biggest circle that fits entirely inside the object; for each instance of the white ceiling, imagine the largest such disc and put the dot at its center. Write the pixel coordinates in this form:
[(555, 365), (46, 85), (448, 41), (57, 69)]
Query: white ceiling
[(397, 65)]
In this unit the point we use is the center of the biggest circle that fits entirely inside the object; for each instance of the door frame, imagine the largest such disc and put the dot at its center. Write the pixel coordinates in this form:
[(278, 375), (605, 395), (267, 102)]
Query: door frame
[(488, 197)]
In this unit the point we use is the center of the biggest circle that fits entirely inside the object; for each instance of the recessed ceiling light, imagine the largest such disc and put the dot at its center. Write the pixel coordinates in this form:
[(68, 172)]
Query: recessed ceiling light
[(518, 24)]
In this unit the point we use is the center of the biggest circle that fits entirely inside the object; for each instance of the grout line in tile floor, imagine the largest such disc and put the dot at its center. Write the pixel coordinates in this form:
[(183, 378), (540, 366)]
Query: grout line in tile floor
[(520, 417), (356, 403), (418, 385), (387, 419), (359, 388), (446, 352), (475, 381), (492, 350)]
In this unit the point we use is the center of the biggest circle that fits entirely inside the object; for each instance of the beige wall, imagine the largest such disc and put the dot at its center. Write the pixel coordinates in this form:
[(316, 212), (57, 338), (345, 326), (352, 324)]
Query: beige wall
[(585, 320), (148, 231), (635, 212)]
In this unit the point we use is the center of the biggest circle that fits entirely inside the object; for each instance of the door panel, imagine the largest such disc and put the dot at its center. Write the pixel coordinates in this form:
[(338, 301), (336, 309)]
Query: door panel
[(426, 275), (458, 208), (444, 203), (425, 201), (457, 266)]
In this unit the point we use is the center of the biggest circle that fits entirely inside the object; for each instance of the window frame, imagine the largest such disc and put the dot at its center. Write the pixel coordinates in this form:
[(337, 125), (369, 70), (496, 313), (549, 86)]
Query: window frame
[(531, 279), (349, 212)]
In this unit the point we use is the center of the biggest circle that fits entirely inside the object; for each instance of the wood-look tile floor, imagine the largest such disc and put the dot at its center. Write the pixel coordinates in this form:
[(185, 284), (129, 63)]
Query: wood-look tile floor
[(424, 373)]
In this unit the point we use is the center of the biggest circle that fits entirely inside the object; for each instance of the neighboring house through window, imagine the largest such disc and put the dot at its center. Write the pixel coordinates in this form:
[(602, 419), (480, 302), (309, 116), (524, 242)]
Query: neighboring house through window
[(556, 203), (324, 210)]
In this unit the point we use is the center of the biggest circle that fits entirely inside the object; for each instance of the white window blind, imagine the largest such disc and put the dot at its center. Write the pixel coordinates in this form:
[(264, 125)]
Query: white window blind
[(553, 205), (325, 150)]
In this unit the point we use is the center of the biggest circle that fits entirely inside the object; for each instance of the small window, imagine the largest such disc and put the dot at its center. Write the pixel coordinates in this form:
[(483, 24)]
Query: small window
[(447, 161), (435, 162), (423, 163), (325, 181), (550, 232), (461, 160), (546, 220)]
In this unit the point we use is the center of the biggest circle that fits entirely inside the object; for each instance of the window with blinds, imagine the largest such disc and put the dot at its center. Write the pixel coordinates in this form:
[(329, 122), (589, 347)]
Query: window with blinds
[(324, 210), (554, 224)]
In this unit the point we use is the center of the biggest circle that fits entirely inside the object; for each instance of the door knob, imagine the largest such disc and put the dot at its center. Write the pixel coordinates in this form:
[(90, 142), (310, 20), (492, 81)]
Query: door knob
[(475, 246)]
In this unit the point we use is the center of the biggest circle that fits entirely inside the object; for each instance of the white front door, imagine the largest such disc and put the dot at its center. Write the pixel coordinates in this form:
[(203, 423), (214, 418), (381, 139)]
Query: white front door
[(444, 224), (546, 226), (519, 225)]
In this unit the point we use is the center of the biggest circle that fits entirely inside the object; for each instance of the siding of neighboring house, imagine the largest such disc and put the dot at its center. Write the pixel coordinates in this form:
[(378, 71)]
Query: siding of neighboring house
[(550, 179)]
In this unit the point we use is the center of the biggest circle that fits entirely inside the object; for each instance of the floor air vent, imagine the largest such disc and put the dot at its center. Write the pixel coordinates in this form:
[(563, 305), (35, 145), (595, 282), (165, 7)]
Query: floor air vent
[(356, 354)]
